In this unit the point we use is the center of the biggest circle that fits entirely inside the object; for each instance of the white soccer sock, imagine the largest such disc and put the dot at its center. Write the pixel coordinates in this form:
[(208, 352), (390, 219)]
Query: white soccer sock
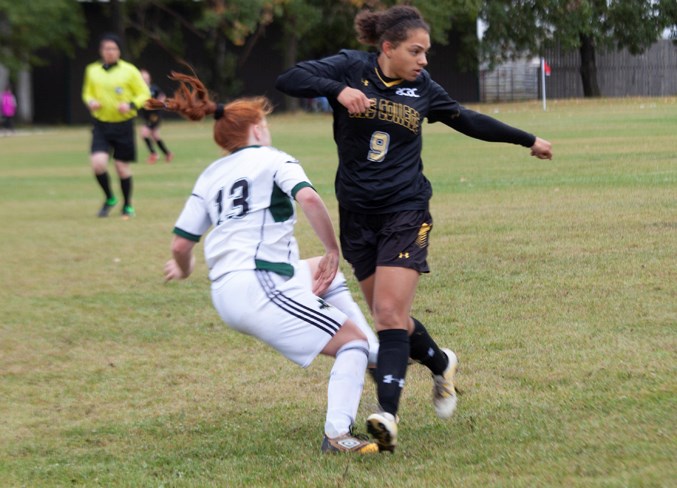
[(340, 297), (345, 388)]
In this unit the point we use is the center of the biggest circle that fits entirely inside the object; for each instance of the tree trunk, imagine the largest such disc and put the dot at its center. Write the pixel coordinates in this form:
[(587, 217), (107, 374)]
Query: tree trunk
[(220, 71), (24, 95), (118, 24), (290, 53), (588, 67)]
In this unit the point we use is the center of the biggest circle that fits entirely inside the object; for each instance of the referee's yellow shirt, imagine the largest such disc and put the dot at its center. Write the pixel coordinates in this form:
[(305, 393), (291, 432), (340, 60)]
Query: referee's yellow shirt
[(120, 83)]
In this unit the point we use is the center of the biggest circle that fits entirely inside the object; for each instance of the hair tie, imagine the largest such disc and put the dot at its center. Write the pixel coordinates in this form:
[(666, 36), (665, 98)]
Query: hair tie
[(218, 113)]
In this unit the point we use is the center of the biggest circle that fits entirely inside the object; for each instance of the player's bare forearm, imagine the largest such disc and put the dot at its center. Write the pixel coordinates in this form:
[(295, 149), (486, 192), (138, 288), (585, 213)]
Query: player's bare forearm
[(315, 210), (318, 216), (183, 262)]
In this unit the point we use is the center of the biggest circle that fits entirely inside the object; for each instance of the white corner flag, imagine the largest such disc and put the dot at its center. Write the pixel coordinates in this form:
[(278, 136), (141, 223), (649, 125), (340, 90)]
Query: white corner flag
[(545, 71)]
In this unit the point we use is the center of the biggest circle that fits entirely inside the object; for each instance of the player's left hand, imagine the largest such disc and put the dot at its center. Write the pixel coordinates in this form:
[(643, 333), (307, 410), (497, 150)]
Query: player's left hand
[(542, 149), (325, 273), (124, 107)]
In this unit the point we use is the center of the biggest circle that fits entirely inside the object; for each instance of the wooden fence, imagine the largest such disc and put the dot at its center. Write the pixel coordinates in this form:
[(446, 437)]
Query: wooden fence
[(619, 74), (511, 81)]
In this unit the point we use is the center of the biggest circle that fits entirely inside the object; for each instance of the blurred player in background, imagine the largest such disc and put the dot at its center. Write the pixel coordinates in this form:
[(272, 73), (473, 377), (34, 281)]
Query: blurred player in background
[(150, 130), (113, 91), (247, 199), (379, 101), (8, 109)]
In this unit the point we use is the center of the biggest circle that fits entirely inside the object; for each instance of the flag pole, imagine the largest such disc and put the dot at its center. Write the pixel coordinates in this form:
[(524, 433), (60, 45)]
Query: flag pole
[(543, 82)]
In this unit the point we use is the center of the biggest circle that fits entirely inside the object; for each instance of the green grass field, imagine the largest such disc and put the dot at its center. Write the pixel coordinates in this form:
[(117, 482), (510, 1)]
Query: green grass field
[(554, 281)]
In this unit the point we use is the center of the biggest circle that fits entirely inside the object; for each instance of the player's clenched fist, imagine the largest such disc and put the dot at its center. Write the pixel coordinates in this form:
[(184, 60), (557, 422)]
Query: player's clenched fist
[(354, 100), (542, 149)]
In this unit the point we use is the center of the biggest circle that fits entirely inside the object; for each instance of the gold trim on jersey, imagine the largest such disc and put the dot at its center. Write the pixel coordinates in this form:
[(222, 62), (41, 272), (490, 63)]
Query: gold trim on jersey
[(388, 84)]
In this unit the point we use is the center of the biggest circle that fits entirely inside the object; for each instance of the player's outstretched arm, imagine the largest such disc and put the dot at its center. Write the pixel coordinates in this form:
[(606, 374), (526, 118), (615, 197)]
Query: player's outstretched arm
[(486, 128)]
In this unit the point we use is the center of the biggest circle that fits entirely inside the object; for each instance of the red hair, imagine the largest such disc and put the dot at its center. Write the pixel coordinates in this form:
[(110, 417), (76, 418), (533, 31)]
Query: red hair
[(231, 129)]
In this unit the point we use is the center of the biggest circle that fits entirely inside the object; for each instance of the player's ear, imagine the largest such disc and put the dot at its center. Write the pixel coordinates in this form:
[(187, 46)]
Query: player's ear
[(387, 48), (255, 132)]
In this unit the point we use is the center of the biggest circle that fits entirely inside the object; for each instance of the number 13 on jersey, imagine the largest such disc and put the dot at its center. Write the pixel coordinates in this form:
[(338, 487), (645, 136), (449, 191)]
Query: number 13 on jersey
[(238, 197)]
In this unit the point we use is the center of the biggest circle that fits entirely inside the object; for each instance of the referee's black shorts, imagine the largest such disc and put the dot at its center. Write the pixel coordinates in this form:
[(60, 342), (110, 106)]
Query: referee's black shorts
[(398, 239), (116, 136)]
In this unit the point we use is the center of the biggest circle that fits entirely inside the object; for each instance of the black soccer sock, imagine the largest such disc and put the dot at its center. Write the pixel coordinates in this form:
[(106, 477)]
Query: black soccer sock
[(162, 146), (425, 350), (126, 186), (104, 183), (393, 356), (149, 143)]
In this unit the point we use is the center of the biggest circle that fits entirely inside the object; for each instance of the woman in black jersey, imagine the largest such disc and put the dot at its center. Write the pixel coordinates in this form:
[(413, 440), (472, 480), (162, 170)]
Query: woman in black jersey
[(150, 130), (379, 101)]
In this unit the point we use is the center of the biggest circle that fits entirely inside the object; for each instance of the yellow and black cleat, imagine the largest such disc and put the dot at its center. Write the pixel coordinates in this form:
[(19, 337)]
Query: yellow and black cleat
[(348, 443)]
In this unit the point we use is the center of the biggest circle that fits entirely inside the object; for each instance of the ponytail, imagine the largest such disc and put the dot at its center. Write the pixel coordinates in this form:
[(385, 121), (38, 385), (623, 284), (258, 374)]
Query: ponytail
[(232, 121)]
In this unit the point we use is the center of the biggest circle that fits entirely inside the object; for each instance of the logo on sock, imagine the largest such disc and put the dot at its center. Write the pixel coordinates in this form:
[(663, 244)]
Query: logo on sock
[(390, 379)]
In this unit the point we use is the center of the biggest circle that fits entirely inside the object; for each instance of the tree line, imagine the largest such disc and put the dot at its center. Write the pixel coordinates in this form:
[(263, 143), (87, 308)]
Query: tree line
[(227, 30)]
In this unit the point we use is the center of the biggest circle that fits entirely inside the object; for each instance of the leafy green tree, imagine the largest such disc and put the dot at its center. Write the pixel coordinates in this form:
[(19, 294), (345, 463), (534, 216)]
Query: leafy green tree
[(333, 28), (28, 27), (227, 30), (316, 28), (518, 27), (305, 19), (669, 14)]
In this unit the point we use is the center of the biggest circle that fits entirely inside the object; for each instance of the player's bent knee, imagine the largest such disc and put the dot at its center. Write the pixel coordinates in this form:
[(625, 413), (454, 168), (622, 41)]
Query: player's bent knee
[(348, 332)]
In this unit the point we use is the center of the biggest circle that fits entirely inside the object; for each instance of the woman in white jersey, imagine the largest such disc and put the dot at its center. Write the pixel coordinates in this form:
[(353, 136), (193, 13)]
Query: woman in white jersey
[(247, 198)]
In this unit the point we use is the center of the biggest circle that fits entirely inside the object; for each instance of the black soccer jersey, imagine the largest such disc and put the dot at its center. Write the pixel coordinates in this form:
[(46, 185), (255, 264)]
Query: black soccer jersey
[(380, 168), (152, 116)]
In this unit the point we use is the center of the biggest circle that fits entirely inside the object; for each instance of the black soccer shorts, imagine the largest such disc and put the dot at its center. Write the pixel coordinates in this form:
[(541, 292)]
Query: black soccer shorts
[(397, 239), (118, 136)]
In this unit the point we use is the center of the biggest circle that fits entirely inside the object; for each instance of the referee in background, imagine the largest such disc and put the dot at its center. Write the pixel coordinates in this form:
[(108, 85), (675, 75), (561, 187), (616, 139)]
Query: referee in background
[(113, 91)]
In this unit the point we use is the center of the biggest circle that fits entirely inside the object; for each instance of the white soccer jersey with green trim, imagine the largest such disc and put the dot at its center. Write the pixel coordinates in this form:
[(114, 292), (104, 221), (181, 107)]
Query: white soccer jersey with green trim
[(248, 198)]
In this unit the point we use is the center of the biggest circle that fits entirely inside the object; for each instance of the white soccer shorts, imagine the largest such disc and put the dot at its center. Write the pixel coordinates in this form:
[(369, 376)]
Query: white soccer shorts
[(280, 311)]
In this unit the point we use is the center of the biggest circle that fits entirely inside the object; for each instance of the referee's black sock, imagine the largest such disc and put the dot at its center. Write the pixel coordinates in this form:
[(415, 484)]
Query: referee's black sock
[(393, 356), (149, 143), (162, 146), (104, 183), (425, 350), (126, 186)]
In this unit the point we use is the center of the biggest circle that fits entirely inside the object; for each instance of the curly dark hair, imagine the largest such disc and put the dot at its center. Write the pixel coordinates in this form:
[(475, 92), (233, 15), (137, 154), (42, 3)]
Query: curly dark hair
[(392, 25)]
